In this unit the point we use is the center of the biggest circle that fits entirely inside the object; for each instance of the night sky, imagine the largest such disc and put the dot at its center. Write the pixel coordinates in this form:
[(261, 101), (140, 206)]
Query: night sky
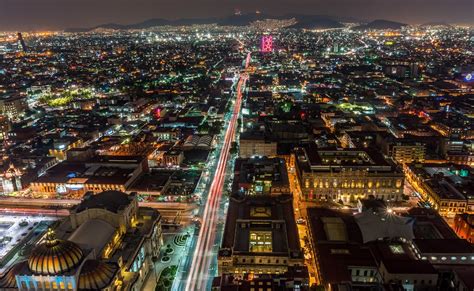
[(58, 14)]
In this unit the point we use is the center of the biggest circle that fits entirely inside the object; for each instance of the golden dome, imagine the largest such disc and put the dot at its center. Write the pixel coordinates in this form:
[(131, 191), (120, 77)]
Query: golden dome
[(54, 256), (96, 275)]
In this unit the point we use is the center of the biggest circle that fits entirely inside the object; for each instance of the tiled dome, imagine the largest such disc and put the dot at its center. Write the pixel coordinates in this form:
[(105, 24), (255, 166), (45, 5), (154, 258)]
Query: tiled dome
[(54, 256), (8, 281), (96, 275)]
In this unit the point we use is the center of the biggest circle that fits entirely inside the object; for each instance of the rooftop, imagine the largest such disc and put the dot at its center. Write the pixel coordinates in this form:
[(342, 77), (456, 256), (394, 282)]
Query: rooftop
[(260, 214), (311, 158), (113, 201), (446, 246)]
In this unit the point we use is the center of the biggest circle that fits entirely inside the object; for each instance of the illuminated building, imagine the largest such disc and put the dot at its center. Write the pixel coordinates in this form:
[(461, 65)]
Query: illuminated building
[(5, 127), (14, 106), (266, 44), (460, 158), (464, 226), (358, 139), (10, 180), (96, 174), (401, 69), (252, 144), (458, 152), (204, 142), (260, 236), (105, 244), (261, 176), (411, 125), (21, 42), (402, 150), (62, 145), (173, 158), (164, 133), (453, 125), (347, 175), (447, 187), (367, 251), (445, 198), (21, 134), (445, 252), (296, 278), (286, 132), (133, 110)]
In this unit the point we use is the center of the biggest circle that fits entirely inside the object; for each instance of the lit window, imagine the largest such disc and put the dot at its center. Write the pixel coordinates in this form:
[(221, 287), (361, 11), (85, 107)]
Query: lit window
[(260, 241), (397, 249)]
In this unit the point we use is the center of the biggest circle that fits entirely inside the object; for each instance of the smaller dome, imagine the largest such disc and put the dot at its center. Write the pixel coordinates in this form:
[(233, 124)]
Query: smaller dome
[(8, 281), (96, 275), (54, 256)]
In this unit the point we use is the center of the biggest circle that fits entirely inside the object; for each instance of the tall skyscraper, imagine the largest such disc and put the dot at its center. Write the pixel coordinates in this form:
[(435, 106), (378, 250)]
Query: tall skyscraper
[(266, 44), (21, 42)]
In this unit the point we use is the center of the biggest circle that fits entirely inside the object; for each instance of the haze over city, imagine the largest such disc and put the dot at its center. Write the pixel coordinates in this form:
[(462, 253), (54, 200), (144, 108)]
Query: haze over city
[(62, 14), (196, 145)]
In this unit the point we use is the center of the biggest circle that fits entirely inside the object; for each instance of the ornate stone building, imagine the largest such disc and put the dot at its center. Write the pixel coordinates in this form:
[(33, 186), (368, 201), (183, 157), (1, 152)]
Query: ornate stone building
[(107, 243), (347, 175)]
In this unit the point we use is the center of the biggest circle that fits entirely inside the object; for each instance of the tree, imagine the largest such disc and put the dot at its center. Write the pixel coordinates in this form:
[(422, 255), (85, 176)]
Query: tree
[(234, 149)]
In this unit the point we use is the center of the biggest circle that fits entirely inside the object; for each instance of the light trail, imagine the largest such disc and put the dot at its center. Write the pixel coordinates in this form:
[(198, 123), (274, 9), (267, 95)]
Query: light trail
[(199, 269), (30, 211)]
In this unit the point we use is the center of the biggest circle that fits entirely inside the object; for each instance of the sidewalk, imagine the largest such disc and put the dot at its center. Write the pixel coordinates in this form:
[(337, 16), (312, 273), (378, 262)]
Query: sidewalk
[(175, 257)]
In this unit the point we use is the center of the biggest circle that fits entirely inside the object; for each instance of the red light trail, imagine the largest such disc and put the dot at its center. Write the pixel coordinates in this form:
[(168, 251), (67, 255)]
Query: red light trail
[(202, 256)]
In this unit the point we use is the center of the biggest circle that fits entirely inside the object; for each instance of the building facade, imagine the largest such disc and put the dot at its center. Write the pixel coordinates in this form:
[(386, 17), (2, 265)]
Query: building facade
[(446, 187), (464, 226), (254, 145), (347, 175), (107, 243), (261, 176), (74, 179), (260, 236)]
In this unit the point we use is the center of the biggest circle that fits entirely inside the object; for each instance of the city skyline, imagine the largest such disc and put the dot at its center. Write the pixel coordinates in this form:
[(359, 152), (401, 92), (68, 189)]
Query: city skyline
[(58, 15), (238, 152)]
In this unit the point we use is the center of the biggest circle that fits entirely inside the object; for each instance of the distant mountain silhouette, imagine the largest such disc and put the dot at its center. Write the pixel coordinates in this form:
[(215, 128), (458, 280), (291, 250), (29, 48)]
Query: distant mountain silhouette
[(303, 21), (315, 22), (436, 23), (244, 19), (145, 24), (381, 24)]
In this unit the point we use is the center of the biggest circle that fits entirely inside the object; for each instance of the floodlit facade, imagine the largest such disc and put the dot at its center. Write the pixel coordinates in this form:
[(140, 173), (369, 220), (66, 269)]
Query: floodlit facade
[(105, 244), (260, 236), (347, 175), (447, 187)]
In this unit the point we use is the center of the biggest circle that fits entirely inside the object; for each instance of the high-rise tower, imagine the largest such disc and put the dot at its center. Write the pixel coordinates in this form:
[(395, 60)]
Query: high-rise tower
[(266, 44), (21, 42)]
